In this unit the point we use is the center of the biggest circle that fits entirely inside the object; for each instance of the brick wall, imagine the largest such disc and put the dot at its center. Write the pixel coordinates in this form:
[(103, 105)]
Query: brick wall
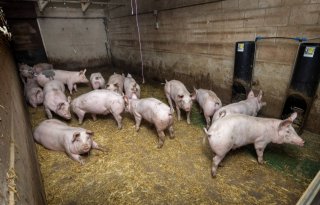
[(195, 43)]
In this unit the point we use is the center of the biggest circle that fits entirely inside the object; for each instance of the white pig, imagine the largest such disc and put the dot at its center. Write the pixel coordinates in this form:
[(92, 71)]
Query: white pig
[(209, 103), (153, 111), (55, 100), (70, 78), (25, 72), (176, 91), (233, 131), (58, 136), (38, 68), (33, 92), (250, 106), (97, 81), (131, 87), (99, 102), (115, 83)]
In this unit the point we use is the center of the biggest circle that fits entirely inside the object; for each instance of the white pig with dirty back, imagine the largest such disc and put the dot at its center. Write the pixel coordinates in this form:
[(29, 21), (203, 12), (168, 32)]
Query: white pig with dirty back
[(58, 136), (33, 92), (233, 131), (209, 103), (131, 87), (38, 68), (100, 102), (97, 81), (177, 91), (115, 83), (55, 100), (251, 106), (69, 78), (153, 111)]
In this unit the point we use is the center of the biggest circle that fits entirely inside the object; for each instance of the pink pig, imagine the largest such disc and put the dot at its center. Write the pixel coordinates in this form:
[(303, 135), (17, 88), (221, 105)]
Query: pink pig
[(236, 130), (38, 68), (131, 87), (55, 100), (58, 136), (33, 92), (97, 81), (153, 111), (176, 91), (115, 83)]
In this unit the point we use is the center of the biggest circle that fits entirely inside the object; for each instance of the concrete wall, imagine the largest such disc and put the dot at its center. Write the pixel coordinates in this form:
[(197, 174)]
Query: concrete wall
[(195, 43), (17, 149), (73, 39)]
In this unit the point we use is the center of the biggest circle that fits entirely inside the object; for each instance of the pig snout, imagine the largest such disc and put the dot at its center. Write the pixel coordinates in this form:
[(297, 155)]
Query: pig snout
[(298, 141), (85, 147)]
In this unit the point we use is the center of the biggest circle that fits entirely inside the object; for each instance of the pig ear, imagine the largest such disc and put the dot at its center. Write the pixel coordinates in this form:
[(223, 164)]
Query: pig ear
[(89, 132), (85, 70), (69, 99), (285, 123), (193, 96), (293, 116), (250, 95), (75, 136), (195, 89)]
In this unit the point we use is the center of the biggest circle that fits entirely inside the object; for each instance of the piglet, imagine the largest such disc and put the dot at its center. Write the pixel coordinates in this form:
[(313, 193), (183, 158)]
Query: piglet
[(70, 78), (55, 100), (153, 111), (176, 91), (33, 92), (115, 83), (58, 136), (99, 102), (97, 81), (250, 106), (131, 87), (209, 103), (25, 72), (233, 131)]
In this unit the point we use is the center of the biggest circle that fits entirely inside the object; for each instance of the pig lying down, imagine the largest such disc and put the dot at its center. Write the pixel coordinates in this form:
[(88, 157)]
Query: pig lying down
[(100, 102), (209, 103), (153, 111), (58, 136), (97, 81), (176, 91), (233, 131)]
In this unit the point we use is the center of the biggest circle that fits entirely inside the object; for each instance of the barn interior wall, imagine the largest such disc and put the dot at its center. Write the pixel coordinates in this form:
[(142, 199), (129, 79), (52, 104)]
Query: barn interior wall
[(195, 43), (73, 39)]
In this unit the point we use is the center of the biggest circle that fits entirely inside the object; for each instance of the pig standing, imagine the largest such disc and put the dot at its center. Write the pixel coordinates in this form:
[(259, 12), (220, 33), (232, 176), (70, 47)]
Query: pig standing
[(250, 106), (155, 112), (233, 131), (70, 78), (131, 87), (97, 81), (99, 102), (209, 103), (176, 91), (38, 68), (115, 83), (58, 136), (55, 100), (33, 92)]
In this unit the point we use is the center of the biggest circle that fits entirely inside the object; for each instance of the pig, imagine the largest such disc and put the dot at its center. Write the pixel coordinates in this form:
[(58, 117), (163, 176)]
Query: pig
[(115, 83), (250, 106), (236, 130), (176, 91), (55, 100), (155, 112), (97, 81), (209, 103), (58, 136), (25, 72), (33, 92), (131, 87), (99, 102), (38, 68), (70, 78)]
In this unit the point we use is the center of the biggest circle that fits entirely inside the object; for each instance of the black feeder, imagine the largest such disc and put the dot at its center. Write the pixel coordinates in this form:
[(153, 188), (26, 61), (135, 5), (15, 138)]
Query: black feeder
[(243, 66), (304, 84)]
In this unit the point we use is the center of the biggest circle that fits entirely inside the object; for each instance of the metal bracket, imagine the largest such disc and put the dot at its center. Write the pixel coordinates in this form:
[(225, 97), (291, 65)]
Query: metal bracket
[(85, 6), (42, 4)]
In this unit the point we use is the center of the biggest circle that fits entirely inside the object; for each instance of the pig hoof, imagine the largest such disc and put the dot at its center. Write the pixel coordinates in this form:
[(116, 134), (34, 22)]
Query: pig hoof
[(160, 146), (213, 174), (172, 137)]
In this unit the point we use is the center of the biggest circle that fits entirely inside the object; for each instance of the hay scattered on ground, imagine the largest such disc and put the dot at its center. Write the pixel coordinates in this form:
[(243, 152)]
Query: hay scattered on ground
[(135, 171)]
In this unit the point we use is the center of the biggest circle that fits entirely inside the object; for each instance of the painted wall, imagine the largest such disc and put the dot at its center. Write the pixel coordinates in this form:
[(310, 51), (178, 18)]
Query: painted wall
[(73, 39), (195, 43)]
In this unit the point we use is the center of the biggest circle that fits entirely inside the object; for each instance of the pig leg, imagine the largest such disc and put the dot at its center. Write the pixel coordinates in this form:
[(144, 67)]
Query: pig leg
[(188, 117), (76, 157), (75, 87), (178, 112), (49, 114), (216, 161), (94, 117), (207, 120), (161, 138), (259, 150), (70, 87), (96, 146), (170, 102), (138, 119), (118, 118), (171, 132), (80, 115)]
